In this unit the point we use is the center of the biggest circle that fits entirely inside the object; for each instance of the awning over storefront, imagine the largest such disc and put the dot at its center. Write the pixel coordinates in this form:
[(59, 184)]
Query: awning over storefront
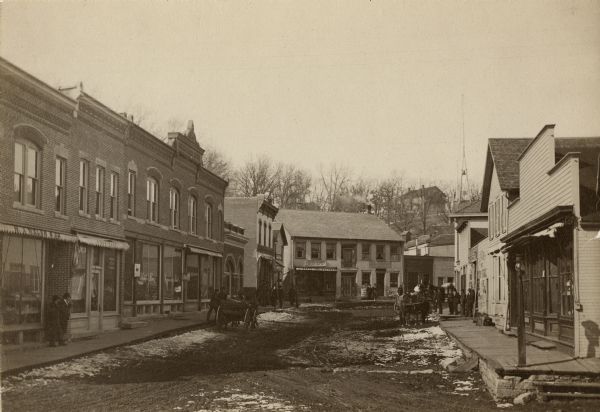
[(102, 242), (545, 225), (549, 231), (202, 251), (318, 269), (37, 233)]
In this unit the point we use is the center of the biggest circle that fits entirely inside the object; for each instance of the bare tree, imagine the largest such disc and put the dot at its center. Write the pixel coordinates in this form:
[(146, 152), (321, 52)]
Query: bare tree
[(256, 177), (216, 162), (292, 187), (335, 181)]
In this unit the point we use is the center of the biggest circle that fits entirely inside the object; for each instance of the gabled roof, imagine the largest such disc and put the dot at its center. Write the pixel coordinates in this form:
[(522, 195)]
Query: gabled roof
[(503, 153), (243, 210), (428, 192), (336, 225), (467, 208)]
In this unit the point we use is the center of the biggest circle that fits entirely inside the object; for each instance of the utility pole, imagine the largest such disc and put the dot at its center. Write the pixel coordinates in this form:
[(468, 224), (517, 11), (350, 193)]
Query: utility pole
[(464, 177)]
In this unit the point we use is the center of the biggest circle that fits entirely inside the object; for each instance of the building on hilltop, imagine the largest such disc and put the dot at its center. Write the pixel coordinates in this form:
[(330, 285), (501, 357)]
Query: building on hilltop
[(336, 255)]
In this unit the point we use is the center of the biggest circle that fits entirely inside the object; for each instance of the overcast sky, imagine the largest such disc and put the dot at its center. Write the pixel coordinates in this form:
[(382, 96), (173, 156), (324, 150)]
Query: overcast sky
[(374, 85)]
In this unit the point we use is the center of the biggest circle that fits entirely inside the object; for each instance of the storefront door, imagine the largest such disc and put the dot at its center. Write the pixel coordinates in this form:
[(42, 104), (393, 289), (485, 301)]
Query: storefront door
[(347, 284), (380, 283), (95, 289)]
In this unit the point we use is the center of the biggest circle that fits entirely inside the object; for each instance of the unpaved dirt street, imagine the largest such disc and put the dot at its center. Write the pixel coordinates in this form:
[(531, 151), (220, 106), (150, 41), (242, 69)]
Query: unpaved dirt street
[(313, 359)]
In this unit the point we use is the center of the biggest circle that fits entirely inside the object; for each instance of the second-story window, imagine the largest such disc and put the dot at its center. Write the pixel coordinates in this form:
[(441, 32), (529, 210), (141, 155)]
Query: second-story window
[(265, 234), (174, 207), (84, 173), (301, 250), (99, 191), (315, 250), (152, 200), (379, 252), (59, 192), (330, 251), (114, 196), (193, 214), (366, 251), (209, 221), (27, 170), (131, 178), (260, 231), (396, 252), (270, 237)]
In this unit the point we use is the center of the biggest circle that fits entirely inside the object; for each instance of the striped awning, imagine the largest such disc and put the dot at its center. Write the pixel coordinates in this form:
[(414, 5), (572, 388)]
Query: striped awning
[(202, 251), (102, 242), (37, 233)]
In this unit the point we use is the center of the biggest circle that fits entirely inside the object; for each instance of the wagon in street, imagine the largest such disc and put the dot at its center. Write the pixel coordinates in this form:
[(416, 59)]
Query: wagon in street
[(234, 312)]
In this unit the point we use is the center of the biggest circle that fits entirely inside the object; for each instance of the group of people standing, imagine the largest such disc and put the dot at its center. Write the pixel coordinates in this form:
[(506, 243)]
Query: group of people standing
[(58, 314), (459, 303)]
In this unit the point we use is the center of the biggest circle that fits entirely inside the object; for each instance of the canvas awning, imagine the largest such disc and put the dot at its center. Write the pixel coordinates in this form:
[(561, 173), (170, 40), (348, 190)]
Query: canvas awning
[(202, 251), (102, 242), (37, 233), (318, 269)]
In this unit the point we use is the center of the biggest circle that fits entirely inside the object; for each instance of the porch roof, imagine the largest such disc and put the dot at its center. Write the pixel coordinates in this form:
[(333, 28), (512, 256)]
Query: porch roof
[(537, 224)]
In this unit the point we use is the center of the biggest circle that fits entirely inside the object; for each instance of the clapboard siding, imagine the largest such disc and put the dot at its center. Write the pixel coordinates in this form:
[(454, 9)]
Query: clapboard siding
[(588, 288), (540, 191)]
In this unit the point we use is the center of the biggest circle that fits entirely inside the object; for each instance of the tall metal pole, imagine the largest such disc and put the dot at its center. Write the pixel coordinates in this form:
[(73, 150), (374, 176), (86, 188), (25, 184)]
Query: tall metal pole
[(522, 361)]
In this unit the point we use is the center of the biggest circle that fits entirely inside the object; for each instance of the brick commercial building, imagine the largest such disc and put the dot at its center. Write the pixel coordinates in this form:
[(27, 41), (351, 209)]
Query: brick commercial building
[(334, 255), (173, 222), (96, 206), (235, 242), (62, 156)]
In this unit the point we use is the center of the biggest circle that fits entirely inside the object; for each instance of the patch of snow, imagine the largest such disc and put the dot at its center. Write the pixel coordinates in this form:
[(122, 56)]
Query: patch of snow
[(277, 317), (504, 405)]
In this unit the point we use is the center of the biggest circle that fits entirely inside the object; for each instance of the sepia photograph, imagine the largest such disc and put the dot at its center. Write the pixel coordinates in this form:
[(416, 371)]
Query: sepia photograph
[(299, 205)]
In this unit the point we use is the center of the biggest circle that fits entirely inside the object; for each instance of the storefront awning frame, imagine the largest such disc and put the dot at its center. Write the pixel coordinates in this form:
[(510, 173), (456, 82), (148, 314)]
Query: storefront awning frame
[(36, 233), (201, 251), (102, 242), (317, 269)]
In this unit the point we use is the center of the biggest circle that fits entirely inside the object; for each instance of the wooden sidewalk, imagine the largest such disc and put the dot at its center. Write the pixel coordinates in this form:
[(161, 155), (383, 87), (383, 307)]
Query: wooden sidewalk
[(500, 352)]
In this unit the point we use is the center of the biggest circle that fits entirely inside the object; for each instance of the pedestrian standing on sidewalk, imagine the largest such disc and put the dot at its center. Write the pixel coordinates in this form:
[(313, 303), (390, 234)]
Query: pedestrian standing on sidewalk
[(280, 295), (441, 295), (463, 303), (64, 308), (292, 296), (274, 297), (470, 301), (53, 329), (213, 305)]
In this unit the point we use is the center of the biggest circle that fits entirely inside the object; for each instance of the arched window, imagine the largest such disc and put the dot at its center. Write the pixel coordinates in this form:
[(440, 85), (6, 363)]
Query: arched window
[(209, 221), (259, 231), (193, 213), (174, 207), (27, 159), (152, 199)]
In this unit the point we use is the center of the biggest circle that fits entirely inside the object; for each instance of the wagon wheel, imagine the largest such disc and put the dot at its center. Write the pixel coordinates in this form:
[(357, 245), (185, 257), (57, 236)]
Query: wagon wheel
[(220, 319), (253, 319), (247, 318)]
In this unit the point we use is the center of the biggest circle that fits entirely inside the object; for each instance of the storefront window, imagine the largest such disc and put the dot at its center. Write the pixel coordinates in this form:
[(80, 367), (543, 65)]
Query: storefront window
[(147, 287), (206, 278), (172, 273), (20, 280), (78, 280), (193, 272), (110, 280)]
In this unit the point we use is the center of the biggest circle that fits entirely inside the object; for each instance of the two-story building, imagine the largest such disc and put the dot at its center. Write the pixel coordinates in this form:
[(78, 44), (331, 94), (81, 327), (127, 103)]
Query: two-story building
[(256, 214), (551, 241), (500, 187), (61, 228), (470, 227), (335, 255), (233, 276), (173, 214)]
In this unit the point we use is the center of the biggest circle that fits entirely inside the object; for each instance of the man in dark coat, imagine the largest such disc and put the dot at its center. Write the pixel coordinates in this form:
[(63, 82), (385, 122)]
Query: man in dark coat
[(53, 328), (213, 305), (293, 296), (441, 295), (64, 312), (470, 301)]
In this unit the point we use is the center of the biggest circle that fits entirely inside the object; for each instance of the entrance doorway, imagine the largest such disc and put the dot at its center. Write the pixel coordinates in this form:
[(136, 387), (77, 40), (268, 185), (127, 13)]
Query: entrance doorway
[(379, 286), (348, 284)]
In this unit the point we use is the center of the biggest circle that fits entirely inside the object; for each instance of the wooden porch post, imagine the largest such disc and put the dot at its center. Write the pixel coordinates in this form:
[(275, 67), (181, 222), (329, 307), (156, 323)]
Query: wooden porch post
[(522, 360)]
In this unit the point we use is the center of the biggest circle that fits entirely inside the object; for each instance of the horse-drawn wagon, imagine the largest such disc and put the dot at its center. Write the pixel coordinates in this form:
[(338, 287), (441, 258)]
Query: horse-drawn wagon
[(234, 312)]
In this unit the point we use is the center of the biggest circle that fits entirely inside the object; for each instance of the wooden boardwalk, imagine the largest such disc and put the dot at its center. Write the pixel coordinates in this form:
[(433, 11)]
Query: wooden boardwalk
[(500, 352)]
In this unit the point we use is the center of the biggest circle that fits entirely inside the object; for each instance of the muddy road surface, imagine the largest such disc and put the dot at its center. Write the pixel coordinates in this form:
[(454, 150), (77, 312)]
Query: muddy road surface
[(312, 359)]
